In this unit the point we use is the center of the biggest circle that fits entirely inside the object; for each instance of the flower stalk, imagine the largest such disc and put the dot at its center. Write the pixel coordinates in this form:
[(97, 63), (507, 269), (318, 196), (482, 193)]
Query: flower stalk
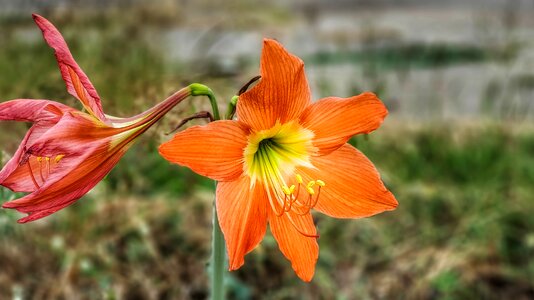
[(217, 259)]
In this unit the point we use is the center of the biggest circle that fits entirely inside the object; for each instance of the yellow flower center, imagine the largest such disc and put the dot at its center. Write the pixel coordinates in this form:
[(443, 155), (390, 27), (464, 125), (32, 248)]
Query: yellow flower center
[(271, 157)]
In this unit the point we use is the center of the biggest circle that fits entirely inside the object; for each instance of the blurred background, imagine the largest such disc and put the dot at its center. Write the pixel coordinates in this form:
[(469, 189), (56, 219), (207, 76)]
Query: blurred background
[(456, 150)]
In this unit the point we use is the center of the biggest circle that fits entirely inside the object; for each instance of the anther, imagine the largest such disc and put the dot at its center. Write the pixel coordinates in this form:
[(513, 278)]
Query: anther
[(299, 178), (39, 159), (286, 190), (310, 191), (310, 184), (59, 157), (320, 183), (292, 189)]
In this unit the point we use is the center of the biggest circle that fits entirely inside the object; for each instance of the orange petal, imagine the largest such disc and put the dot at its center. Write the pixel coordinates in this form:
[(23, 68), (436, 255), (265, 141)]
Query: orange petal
[(242, 213), (335, 120), (214, 150), (301, 250), (282, 93), (353, 186)]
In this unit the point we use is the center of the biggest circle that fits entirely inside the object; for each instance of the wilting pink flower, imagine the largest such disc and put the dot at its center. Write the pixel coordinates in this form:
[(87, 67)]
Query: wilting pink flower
[(67, 152)]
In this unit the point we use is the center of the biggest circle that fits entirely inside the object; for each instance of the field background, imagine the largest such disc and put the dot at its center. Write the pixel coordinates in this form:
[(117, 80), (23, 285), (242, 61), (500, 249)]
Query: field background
[(457, 149)]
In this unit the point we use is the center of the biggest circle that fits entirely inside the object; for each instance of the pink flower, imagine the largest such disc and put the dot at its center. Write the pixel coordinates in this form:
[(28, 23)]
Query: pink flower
[(67, 152)]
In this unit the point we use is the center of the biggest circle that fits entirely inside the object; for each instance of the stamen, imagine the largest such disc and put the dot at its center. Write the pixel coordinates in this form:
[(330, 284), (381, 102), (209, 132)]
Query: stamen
[(31, 174), (59, 157), (290, 202), (283, 208), (40, 160), (286, 190), (304, 208), (300, 230), (317, 197), (47, 167)]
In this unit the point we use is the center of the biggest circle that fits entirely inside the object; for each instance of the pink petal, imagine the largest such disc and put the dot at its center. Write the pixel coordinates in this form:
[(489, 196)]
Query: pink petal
[(75, 178), (77, 82), (31, 110)]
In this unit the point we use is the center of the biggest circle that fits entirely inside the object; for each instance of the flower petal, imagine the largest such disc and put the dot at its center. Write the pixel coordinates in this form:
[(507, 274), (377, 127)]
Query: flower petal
[(18, 178), (353, 186), (31, 110), (76, 176), (335, 120), (70, 135), (282, 93), (300, 249), (214, 150), (69, 138), (78, 84), (242, 213), (45, 114)]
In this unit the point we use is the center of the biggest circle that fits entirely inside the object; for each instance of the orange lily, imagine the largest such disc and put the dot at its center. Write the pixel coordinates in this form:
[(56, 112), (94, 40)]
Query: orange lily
[(67, 152), (282, 157)]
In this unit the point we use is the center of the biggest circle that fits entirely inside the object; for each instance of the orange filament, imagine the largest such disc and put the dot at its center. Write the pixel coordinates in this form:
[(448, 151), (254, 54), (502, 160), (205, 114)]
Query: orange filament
[(40, 160), (41, 174), (31, 175), (300, 230), (291, 200), (47, 167)]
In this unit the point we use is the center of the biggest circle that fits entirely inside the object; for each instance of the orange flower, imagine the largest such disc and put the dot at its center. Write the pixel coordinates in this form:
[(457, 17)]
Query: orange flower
[(282, 157)]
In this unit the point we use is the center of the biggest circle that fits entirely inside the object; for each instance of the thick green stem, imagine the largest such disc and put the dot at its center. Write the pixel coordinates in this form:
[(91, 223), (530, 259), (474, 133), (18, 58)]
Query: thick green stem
[(218, 254)]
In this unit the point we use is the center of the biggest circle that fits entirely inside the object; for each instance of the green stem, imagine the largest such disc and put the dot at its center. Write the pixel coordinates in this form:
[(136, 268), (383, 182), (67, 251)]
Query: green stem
[(198, 89), (218, 254), (231, 107), (217, 259)]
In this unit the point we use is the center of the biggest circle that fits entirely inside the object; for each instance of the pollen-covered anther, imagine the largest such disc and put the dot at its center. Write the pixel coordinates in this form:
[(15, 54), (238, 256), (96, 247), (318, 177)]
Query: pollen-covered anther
[(300, 205), (286, 190), (59, 157), (41, 168)]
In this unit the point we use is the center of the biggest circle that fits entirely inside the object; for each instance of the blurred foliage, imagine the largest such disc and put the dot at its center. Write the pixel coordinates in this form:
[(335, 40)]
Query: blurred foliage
[(463, 229), (416, 55)]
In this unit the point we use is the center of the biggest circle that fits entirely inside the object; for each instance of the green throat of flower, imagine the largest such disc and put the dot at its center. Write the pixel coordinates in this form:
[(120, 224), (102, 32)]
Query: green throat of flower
[(271, 158), (272, 155)]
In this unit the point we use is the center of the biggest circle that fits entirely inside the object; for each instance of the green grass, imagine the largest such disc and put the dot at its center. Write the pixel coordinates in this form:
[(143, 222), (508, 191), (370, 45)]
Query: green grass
[(416, 55), (463, 228)]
